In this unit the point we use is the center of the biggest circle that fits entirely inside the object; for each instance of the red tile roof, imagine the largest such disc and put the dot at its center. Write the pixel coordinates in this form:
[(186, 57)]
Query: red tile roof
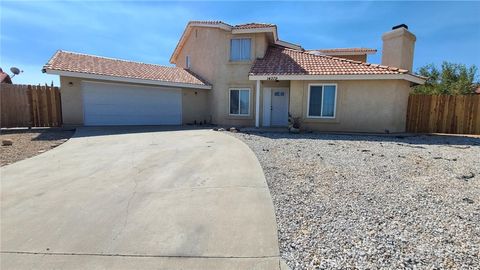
[(284, 61), (238, 26), (4, 77), (344, 50), (253, 25), (90, 64), (208, 22)]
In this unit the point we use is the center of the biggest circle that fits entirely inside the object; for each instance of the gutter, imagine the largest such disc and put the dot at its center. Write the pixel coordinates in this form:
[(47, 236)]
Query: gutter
[(299, 77)]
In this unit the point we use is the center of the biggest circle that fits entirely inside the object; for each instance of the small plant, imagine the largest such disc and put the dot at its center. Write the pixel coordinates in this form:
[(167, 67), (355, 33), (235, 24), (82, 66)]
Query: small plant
[(294, 123)]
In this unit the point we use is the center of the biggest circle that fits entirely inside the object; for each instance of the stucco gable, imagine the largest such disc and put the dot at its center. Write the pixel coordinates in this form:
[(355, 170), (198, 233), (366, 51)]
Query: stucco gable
[(235, 29)]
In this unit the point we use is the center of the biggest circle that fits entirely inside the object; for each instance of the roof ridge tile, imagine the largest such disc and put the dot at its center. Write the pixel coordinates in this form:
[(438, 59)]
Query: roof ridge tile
[(115, 59), (354, 49)]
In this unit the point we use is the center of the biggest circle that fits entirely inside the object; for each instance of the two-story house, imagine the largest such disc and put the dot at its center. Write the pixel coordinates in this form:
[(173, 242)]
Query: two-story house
[(243, 75)]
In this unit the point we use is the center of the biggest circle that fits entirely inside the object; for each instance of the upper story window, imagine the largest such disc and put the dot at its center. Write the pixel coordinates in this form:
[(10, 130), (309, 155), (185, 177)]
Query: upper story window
[(322, 99), (187, 61), (240, 49)]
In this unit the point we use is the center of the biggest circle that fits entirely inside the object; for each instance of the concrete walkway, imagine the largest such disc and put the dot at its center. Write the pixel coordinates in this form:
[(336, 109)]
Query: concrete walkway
[(139, 198)]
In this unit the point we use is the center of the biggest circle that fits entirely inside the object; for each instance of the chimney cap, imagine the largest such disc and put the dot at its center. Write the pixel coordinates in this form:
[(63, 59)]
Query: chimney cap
[(400, 26)]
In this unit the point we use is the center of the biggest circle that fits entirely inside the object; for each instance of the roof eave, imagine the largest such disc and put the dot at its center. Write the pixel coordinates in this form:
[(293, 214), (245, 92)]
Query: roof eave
[(347, 53), (302, 77), (122, 79), (343, 51), (288, 45), (415, 79), (254, 30)]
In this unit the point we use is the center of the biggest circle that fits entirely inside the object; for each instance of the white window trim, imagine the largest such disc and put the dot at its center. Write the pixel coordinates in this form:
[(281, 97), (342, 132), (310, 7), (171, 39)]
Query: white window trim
[(321, 109), (242, 60), (249, 101)]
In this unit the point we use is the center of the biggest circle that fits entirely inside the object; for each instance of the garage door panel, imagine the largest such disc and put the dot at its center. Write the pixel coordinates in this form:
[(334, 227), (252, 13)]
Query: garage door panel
[(136, 98), (117, 104), (129, 110), (134, 114), (129, 120)]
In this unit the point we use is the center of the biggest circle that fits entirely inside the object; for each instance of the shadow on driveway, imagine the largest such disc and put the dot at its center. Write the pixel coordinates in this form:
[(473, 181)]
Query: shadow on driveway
[(118, 130), (42, 134)]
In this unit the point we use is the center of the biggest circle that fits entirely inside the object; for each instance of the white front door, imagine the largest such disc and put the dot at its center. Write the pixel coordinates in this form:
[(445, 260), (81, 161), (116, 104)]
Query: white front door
[(279, 112)]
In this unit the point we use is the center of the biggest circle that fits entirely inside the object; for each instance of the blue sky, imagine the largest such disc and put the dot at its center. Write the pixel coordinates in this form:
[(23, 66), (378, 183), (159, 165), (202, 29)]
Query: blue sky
[(31, 31)]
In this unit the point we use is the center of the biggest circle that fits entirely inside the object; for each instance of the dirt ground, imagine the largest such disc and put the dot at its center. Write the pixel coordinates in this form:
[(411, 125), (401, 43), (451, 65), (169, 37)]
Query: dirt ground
[(29, 143)]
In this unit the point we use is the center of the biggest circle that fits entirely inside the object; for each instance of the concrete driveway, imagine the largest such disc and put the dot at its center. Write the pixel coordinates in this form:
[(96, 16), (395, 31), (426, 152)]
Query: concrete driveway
[(140, 198)]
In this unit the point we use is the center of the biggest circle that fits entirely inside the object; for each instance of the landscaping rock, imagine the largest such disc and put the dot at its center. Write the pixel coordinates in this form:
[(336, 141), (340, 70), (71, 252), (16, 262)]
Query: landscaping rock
[(7, 142), (467, 176), (468, 200), (397, 209), (294, 130)]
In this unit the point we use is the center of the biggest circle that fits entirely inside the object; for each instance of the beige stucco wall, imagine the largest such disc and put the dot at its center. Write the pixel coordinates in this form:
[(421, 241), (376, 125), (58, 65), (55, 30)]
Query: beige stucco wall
[(195, 106), (209, 52), (362, 106), (194, 102), (72, 101)]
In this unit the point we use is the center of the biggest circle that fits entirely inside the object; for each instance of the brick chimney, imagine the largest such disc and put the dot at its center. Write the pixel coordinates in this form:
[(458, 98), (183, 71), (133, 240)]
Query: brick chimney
[(398, 47)]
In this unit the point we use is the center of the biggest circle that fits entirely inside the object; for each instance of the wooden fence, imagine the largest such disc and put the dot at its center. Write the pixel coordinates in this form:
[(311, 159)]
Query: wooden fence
[(444, 114), (30, 106)]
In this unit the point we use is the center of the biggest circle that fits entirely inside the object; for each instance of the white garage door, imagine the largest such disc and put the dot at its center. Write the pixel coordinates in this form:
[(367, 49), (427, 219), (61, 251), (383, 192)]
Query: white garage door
[(122, 104)]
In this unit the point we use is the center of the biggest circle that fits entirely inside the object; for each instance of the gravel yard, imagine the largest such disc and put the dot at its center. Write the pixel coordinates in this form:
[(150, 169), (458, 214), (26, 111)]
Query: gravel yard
[(373, 202), (29, 143)]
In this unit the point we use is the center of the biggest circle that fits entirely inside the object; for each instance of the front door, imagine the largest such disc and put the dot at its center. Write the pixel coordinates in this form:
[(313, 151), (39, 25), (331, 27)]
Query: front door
[(279, 115)]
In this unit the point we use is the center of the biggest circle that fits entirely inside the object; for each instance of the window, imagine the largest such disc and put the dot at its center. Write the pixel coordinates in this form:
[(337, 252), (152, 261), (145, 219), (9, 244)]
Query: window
[(322, 100), (239, 101), (187, 61), (240, 49)]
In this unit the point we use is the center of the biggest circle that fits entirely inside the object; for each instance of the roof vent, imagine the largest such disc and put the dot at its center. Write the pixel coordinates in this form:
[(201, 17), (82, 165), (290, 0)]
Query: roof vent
[(400, 26)]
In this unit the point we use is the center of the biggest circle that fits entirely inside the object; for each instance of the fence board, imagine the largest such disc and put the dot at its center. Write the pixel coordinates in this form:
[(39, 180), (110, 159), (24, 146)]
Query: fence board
[(30, 106), (476, 115), (59, 108), (42, 105), (35, 107), (443, 114), (53, 109)]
